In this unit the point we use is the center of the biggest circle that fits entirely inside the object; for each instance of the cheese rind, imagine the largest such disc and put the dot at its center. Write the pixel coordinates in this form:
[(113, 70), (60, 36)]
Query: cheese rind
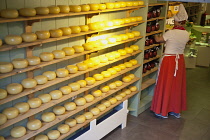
[(13, 39), (5, 67)]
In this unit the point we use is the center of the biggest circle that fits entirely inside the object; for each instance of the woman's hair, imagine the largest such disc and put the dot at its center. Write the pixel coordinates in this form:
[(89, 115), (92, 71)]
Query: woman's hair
[(182, 22)]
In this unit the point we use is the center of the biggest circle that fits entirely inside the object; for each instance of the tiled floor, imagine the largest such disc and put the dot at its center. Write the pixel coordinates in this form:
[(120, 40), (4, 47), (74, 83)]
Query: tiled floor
[(194, 124)]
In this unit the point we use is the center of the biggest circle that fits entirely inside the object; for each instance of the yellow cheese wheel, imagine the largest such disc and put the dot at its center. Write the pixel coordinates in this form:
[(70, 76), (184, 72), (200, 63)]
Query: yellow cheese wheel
[(126, 79), (96, 60), (129, 3), (101, 25), (102, 6), (118, 97), (80, 119), (112, 71), (135, 3), (9, 13), (74, 86), (34, 102), (63, 128), (14, 88), (59, 110), (34, 124), (19, 63), (122, 4), (13, 39), (18, 131), (128, 64), (133, 88), (68, 51), (54, 10), (128, 50), (141, 2), (117, 54), (85, 7), (90, 80), (84, 28), (46, 56), (64, 8), (48, 116), (71, 122), (126, 91), (82, 66), (103, 42), (108, 23), (53, 134), (133, 19), (5, 67), (75, 29), (42, 10), (1, 42), (117, 68), (89, 98), (111, 40), (130, 35), (54, 33), (121, 21), (106, 103), (96, 93), (43, 34), (62, 73), (80, 101), (132, 76), (93, 26), (118, 83), (27, 12), (75, 8), (29, 83), (123, 94), (82, 83), (45, 98), (110, 56), (98, 77), (41, 79), (103, 59), (106, 74), (58, 54), (51, 75), (72, 68), (112, 85), (3, 93), (113, 100), (122, 52), (88, 46), (11, 112), (94, 7), (3, 118), (110, 5), (95, 111), (136, 33), (78, 49), (33, 60), (138, 18), (22, 107), (122, 66), (133, 61), (41, 137), (65, 31), (104, 88), (65, 90), (88, 115), (56, 94), (101, 107), (117, 5), (70, 106), (29, 37), (134, 47), (127, 20), (124, 36)]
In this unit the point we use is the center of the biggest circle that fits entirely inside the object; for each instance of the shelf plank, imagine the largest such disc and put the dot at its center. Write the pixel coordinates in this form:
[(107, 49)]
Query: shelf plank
[(150, 71), (60, 118), (59, 80), (151, 46), (157, 4), (65, 97), (146, 61), (154, 32), (43, 64), (153, 19), (147, 83)]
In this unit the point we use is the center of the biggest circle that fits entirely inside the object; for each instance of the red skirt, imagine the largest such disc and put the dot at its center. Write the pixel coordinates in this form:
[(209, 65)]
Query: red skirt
[(170, 90)]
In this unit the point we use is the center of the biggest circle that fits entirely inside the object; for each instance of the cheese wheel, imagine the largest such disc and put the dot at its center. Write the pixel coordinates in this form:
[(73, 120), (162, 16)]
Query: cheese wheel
[(132, 76), (56, 94), (102, 6), (46, 56), (129, 3), (93, 26), (80, 101), (45, 98), (18, 131), (128, 50), (109, 5), (112, 85), (101, 107), (103, 42), (112, 71), (70, 106), (134, 47), (9, 13), (113, 100), (71, 122), (68, 51), (95, 60), (88, 46), (48, 116), (133, 88), (118, 97), (122, 52), (136, 33), (42, 10), (59, 110), (110, 56), (88, 115), (19, 63), (117, 54), (3, 93), (82, 83), (27, 12), (29, 83), (78, 49), (58, 54), (104, 88), (65, 30), (135, 3), (63, 128), (54, 33), (65, 90), (117, 68), (95, 111), (90, 80), (54, 10), (64, 8), (74, 86), (62, 73), (34, 102), (122, 66), (84, 28), (75, 8), (3, 118), (72, 68), (42, 34), (126, 79), (85, 7), (121, 21), (106, 103), (1, 43), (133, 61), (41, 137), (118, 83), (130, 35), (14, 88), (11, 112), (117, 5), (89, 98), (123, 36), (22, 107), (96, 93), (106, 74), (51, 75), (138, 18), (94, 7), (41, 79), (103, 59), (13, 39), (98, 77), (33, 60), (117, 37), (5, 67), (133, 19), (80, 119), (34, 124), (53, 134), (123, 94), (122, 4), (112, 40), (128, 64), (75, 29), (29, 37), (126, 91), (82, 66), (127, 20), (140, 2)]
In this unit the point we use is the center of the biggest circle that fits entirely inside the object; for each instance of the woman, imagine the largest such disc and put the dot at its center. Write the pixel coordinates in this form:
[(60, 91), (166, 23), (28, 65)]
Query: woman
[(170, 91)]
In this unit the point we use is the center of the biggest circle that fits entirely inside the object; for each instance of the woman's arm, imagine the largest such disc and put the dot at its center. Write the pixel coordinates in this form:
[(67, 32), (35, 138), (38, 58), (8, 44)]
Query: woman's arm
[(159, 38)]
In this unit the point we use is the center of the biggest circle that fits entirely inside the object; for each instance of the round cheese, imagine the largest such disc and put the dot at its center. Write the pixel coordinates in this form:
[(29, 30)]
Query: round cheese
[(58, 54), (54, 33), (3, 118), (62, 73), (98, 77), (46, 56), (104, 88), (123, 94), (122, 4), (128, 64), (11, 112), (128, 50), (78, 49), (9, 13), (130, 35), (22, 107), (65, 31), (96, 93), (72, 68), (53, 134), (118, 97), (29, 83), (138, 18), (126, 91), (95, 111), (122, 66), (106, 74), (34, 124), (101, 107), (75, 29), (14, 88), (34, 102), (112, 71), (89, 98), (68, 51), (70, 106), (65, 90), (134, 47), (126, 79), (54, 10), (124, 36), (102, 6), (43, 34), (135, 3), (117, 68), (85, 7), (56, 94), (41, 137), (18, 131), (27, 12), (93, 26), (48, 117), (141, 2), (45, 98), (117, 5), (136, 33), (95, 60), (19, 63), (133, 88), (132, 76), (118, 83), (127, 20), (41, 79), (88, 115), (106, 103), (82, 66), (64, 8), (90, 80), (113, 100), (117, 54), (84, 28), (71, 122), (111, 40), (59, 110), (42, 10), (133, 19), (75, 8), (112, 85), (80, 119), (129, 3), (80, 101), (110, 5), (13, 39), (29, 37), (82, 83), (51, 75), (103, 59), (122, 52), (110, 56), (133, 61), (5, 67), (3, 93), (88, 46), (63, 128), (94, 7), (33, 60), (74, 86)]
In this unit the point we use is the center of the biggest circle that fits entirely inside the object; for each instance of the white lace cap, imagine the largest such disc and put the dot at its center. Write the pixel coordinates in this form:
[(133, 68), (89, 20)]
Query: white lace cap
[(182, 14)]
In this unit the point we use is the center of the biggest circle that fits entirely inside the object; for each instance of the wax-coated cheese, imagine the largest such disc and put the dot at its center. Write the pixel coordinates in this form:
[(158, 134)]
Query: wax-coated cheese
[(58, 54), (65, 30), (90, 80), (135, 3), (106, 74), (95, 60), (96, 93), (54, 10), (22, 107), (95, 111), (106, 103), (68, 51), (75, 29), (93, 26), (85, 7), (65, 90), (63, 128), (13, 39), (136, 33), (112, 71), (138, 18), (130, 35), (34, 102), (94, 7), (88, 46), (127, 20), (112, 85), (134, 47), (113, 100), (71, 122), (82, 66), (48, 116), (117, 68), (117, 5), (59, 110), (122, 52), (140, 2), (27, 12), (103, 59), (53, 134), (124, 36), (126, 79), (64, 8), (5, 67), (72, 68), (43, 34), (41, 137), (122, 66), (11, 112), (109, 5), (104, 88), (122, 4), (80, 119), (89, 98), (34, 124), (29, 83), (117, 37), (3, 118), (70, 106), (102, 6), (33, 60), (18, 131), (62, 73), (133, 19), (51, 75), (41, 79), (75, 8), (84, 28), (56, 94), (133, 88), (45, 98), (9, 13), (128, 50), (126, 91), (133, 61), (129, 3), (82, 83), (132, 76), (88, 115), (54, 33), (3, 93), (101, 107), (118, 97), (46, 56), (29, 37), (98, 77), (74, 86), (80, 101), (78, 49), (14, 88), (19, 63), (123, 94), (128, 64), (118, 83), (42, 10), (110, 56)]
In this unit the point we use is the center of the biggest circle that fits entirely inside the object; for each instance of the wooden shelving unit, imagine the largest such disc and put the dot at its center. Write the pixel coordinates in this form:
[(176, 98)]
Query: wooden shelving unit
[(151, 46), (154, 32), (153, 19), (150, 71), (147, 83), (146, 61)]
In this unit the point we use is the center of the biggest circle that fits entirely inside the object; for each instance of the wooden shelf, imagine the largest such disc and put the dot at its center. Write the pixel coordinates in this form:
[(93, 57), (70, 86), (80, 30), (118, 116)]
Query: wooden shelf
[(147, 83), (146, 61), (60, 118), (156, 4), (154, 32), (151, 46), (153, 19), (43, 64), (145, 103), (149, 71)]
